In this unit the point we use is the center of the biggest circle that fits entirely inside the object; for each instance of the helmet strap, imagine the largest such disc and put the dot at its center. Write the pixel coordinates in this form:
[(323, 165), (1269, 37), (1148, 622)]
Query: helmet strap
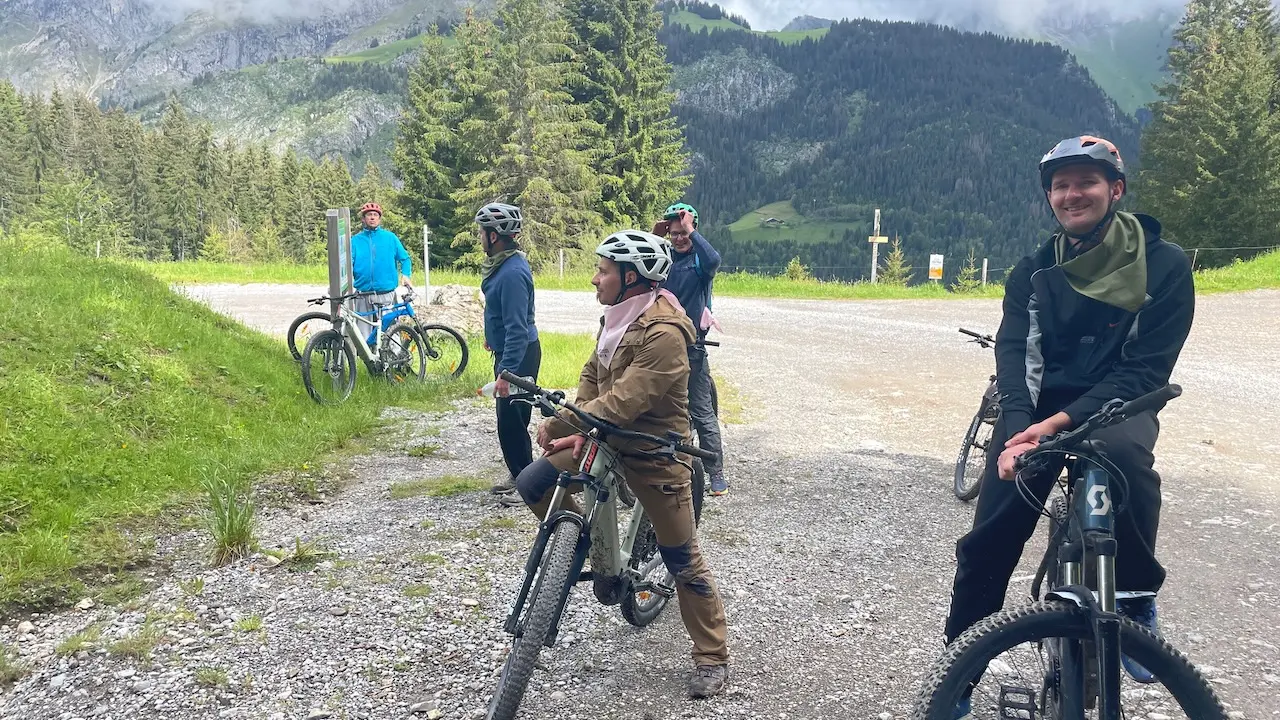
[(626, 287)]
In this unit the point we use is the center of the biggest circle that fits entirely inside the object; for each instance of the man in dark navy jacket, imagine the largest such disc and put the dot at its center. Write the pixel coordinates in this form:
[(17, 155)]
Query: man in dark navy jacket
[(694, 268), (1101, 311), (509, 330)]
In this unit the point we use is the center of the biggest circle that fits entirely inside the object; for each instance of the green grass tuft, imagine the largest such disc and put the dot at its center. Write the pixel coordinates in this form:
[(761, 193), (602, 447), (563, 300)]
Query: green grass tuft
[(446, 486)]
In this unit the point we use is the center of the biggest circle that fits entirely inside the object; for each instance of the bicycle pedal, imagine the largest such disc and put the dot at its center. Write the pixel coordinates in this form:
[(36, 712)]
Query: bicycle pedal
[(1017, 703)]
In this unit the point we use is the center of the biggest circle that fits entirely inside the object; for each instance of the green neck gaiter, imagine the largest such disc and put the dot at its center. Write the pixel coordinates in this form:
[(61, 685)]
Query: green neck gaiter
[(1113, 272)]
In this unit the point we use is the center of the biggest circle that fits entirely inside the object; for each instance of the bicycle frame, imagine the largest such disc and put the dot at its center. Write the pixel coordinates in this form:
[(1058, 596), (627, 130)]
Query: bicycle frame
[(346, 324), (599, 475), (1090, 533)]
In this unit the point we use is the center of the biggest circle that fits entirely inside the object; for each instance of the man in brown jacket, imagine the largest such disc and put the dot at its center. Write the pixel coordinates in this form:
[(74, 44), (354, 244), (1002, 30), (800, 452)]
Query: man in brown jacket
[(638, 379)]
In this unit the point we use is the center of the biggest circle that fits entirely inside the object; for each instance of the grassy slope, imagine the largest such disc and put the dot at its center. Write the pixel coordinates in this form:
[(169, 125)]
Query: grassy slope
[(120, 396), (386, 52), (696, 23), (748, 227)]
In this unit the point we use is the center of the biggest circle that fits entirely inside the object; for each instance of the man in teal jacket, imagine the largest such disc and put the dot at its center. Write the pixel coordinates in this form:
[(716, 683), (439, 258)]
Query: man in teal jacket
[(378, 259)]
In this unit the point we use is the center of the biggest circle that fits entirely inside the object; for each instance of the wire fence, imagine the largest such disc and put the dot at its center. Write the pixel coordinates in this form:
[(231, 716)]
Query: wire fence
[(864, 271)]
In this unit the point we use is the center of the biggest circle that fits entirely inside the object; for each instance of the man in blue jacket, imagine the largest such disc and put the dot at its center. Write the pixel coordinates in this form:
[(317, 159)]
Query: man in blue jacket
[(694, 268), (509, 330), (1100, 311), (378, 259)]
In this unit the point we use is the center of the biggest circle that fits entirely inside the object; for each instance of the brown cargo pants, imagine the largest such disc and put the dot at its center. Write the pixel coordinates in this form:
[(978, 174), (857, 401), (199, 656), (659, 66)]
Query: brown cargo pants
[(670, 509)]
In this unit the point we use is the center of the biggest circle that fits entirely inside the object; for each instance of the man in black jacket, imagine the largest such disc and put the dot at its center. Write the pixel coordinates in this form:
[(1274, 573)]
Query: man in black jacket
[(1101, 311)]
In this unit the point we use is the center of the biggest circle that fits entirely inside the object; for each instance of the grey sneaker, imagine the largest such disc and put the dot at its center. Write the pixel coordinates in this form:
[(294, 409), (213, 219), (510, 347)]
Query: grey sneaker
[(708, 680), (510, 498), (505, 485)]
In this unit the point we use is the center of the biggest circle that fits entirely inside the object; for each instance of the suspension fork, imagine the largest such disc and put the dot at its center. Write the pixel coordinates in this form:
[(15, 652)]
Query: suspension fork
[(1095, 512)]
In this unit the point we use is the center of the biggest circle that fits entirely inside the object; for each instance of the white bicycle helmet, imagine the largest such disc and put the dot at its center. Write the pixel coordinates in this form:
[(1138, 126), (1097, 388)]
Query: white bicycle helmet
[(650, 254), (500, 217)]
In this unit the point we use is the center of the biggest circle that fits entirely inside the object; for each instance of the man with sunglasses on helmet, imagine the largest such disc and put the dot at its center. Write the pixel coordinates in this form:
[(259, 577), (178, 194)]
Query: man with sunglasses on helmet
[(693, 270), (1100, 311), (637, 378), (378, 262), (509, 331)]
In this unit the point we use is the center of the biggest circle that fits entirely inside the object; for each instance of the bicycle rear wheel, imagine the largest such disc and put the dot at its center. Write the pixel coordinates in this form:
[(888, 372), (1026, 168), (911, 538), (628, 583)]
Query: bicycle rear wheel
[(972, 462), (403, 354), (549, 595), (303, 328), (642, 608), (978, 657), (446, 352)]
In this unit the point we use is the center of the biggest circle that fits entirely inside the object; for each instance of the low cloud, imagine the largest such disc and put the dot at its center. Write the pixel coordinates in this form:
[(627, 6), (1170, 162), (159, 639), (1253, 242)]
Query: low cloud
[(1012, 15)]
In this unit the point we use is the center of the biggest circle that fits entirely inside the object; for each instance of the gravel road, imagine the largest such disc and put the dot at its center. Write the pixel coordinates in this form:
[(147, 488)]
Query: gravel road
[(834, 550)]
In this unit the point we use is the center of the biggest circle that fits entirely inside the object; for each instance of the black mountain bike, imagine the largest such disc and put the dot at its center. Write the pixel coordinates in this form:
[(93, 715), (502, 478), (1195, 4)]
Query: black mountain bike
[(1060, 657), (640, 582), (972, 462)]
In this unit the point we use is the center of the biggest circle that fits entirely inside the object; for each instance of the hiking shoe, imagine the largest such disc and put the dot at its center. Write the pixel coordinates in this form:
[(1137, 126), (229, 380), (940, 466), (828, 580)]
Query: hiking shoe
[(964, 709), (510, 498), (718, 484), (505, 485), (708, 680), (1142, 611)]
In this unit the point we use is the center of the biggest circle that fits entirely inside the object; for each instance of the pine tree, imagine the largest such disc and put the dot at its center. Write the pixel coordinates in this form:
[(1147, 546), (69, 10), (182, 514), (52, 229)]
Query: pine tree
[(895, 270), (429, 152), (1211, 156), (967, 280), (544, 162), (643, 163), (48, 163), (177, 180), (18, 180), (293, 208)]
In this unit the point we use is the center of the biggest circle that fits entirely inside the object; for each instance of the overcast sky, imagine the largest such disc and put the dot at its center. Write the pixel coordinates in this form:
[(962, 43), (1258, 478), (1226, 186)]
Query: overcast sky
[(773, 14)]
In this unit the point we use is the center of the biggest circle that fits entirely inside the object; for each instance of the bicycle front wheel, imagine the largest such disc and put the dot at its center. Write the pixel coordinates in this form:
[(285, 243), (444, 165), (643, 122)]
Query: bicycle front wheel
[(328, 368), (972, 462), (446, 352), (403, 354), (550, 594), (303, 328), (1004, 654)]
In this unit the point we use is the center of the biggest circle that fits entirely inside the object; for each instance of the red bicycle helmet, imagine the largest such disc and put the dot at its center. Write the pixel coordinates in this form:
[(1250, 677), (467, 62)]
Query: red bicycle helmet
[(371, 206)]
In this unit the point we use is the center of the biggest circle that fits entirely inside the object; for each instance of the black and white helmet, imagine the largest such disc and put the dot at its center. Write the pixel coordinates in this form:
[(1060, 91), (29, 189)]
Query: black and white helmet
[(650, 254), (500, 217)]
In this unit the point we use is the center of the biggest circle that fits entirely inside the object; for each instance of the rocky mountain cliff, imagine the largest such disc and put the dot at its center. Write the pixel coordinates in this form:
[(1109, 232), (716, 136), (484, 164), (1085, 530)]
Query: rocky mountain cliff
[(129, 49)]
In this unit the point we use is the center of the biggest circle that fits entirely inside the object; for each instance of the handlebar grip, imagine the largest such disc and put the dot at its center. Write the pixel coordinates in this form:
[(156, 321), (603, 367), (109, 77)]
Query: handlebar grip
[(696, 452), (970, 333), (1154, 400), (519, 382)]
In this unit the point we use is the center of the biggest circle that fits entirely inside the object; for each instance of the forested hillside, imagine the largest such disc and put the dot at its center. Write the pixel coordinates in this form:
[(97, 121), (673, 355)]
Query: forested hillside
[(939, 128)]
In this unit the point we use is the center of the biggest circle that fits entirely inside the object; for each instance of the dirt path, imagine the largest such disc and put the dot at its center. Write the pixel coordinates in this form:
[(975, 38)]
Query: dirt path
[(833, 550)]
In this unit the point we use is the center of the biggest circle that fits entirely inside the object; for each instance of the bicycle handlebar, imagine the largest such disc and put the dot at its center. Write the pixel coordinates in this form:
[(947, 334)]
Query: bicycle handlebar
[(557, 398), (348, 296), (982, 339), (1113, 412)]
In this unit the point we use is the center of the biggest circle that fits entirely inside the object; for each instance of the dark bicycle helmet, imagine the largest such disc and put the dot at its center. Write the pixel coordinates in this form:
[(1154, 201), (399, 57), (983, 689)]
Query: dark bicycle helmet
[(1081, 150), (1084, 150)]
